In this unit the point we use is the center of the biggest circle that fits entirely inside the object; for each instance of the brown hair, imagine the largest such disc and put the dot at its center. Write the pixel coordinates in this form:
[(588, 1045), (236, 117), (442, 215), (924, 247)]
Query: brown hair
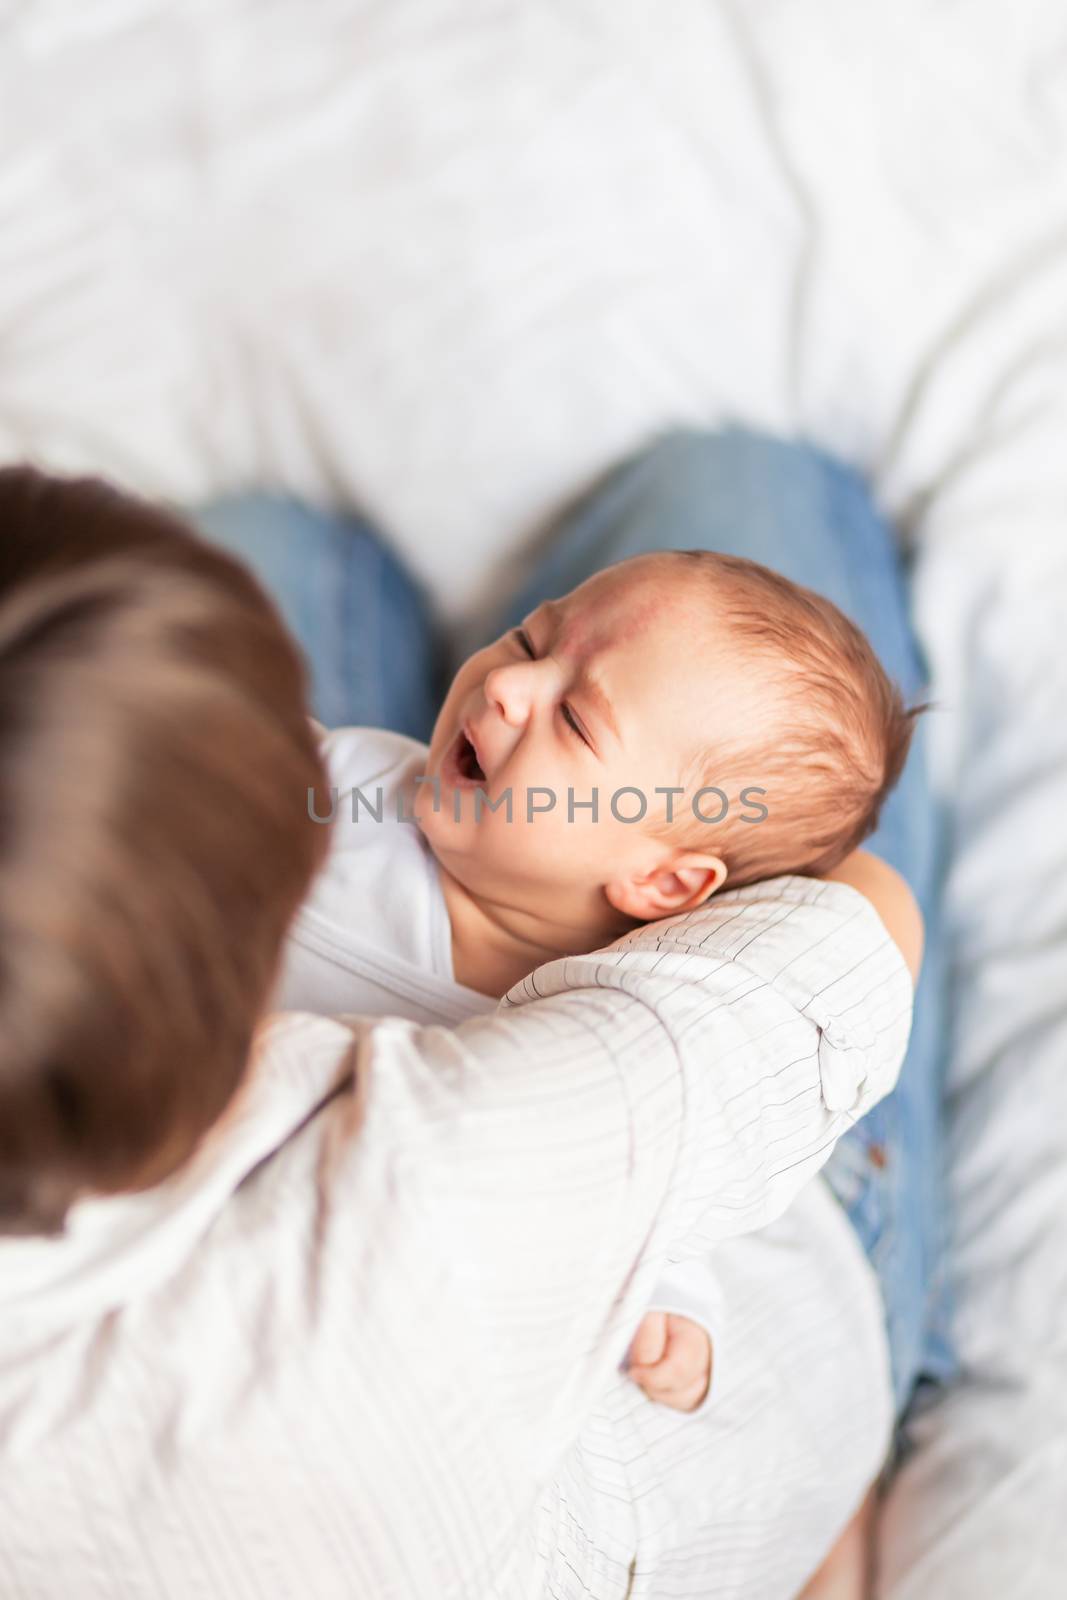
[(839, 746), (155, 757)]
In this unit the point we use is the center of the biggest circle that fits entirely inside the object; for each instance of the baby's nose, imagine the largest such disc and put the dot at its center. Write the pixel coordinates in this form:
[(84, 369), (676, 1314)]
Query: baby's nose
[(515, 689)]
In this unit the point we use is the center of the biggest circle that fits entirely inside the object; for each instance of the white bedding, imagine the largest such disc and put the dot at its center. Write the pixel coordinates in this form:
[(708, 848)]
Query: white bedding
[(447, 259)]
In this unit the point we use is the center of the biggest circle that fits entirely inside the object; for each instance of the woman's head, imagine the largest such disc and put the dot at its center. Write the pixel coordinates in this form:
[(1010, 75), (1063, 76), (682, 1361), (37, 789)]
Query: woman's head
[(155, 757)]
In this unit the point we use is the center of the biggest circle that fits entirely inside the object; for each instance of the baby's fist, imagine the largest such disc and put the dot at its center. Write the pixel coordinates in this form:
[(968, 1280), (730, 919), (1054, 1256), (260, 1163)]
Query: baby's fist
[(670, 1359)]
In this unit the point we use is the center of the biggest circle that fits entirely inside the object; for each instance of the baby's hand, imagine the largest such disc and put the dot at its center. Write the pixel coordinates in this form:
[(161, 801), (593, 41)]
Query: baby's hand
[(670, 1359)]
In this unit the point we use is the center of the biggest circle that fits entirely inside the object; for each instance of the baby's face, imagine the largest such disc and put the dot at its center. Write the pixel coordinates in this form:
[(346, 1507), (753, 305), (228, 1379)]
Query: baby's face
[(621, 684)]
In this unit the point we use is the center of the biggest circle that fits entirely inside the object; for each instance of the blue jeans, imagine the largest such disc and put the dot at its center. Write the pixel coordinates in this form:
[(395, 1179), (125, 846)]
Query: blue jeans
[(372, 649)]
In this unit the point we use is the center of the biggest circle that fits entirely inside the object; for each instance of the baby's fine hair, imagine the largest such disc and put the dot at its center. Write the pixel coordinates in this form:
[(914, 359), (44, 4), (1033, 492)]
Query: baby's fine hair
[(840, 738)]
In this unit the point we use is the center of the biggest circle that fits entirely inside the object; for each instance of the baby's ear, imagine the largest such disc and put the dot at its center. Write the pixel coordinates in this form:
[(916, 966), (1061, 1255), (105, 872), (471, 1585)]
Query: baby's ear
[(680, 884)]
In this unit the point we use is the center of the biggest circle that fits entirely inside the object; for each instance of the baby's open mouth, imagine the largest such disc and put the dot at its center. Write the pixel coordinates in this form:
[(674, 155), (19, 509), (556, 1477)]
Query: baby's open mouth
[(464, 760), (467, 760)]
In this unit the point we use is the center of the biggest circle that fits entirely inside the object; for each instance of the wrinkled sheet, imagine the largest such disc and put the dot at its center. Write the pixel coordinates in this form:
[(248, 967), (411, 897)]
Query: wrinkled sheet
[(446, 260)]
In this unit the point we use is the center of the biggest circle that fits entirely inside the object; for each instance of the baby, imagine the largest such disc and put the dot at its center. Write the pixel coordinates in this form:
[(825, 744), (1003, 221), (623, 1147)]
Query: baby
[(664, 676), (679, 722)]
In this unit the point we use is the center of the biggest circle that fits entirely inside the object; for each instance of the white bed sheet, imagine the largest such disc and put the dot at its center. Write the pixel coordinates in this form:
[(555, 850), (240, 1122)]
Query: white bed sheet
[(447, 259)]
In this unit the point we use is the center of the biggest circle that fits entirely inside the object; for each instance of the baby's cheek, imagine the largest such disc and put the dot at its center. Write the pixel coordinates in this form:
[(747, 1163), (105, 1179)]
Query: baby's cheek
[(528, 849)]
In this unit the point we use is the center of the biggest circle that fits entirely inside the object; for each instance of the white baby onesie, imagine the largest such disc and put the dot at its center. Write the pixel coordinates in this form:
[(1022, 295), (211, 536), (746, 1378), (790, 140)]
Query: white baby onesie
[(373, 936)]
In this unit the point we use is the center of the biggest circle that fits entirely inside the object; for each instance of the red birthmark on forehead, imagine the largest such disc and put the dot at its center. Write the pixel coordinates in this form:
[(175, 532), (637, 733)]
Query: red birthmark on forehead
[(649, 607), (617, 607)]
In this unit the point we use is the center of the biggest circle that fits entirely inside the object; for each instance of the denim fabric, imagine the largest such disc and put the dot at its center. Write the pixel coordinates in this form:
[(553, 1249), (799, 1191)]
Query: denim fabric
[(370, 642), (363, 624)]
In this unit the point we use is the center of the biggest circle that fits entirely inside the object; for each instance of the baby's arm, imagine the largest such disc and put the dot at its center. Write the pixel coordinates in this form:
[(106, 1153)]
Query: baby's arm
[(672, 1357)]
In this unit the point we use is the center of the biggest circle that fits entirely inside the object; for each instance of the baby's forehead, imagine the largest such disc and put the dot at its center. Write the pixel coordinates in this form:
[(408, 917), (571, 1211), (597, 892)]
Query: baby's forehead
[(645, 591), (683, 654), (654, 606)]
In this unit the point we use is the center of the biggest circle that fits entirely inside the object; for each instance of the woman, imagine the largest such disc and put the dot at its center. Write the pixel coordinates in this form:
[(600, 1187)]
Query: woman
[(260, 1357)]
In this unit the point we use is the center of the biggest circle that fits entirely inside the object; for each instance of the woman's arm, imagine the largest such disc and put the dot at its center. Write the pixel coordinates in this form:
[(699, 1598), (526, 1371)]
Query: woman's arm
[(655, 1098), (890, 896)]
